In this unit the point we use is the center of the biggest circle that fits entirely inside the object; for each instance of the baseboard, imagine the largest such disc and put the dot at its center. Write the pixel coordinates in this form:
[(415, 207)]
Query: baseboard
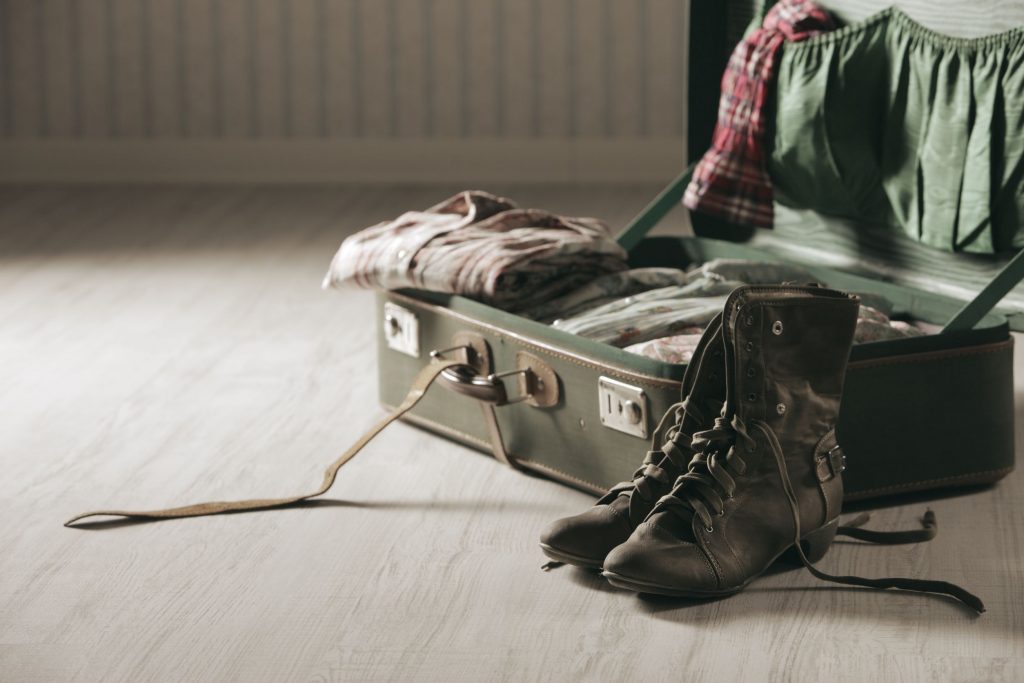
[(364, 161)]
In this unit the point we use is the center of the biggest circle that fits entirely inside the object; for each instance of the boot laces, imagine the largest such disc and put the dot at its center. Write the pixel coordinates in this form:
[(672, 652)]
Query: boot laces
[(710, 477), (851, 529), (672, 454)]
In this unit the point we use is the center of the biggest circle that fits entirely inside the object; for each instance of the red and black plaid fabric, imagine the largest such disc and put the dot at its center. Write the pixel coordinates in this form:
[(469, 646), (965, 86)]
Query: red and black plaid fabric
[(731, 180)]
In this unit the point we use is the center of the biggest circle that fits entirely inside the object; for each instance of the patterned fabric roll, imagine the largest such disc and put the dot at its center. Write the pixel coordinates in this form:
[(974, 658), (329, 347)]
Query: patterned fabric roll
[(676, 349)]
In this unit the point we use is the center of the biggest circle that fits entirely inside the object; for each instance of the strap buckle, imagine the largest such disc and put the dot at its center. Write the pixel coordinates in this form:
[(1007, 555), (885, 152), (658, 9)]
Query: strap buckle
[(829, 464), (836, 460)]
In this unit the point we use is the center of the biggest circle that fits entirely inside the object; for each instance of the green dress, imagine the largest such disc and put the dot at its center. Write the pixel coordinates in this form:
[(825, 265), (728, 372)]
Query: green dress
[(887, 122)]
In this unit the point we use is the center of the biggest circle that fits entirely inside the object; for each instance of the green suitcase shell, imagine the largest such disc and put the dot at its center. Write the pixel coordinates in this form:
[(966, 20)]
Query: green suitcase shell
[(917, 414)]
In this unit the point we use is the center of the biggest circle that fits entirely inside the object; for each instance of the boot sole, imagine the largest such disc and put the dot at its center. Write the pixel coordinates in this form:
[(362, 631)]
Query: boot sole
[(568, 558), (818, 542), (620, 581)]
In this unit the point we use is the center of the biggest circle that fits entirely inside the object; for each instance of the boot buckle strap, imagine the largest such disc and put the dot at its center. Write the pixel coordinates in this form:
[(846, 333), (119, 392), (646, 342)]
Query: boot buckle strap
[(830, 464)]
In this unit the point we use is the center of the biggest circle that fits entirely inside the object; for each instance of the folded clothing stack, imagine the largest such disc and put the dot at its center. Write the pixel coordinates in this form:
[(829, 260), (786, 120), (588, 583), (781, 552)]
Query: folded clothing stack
[(665, 323), (483, 247), (567, 272)]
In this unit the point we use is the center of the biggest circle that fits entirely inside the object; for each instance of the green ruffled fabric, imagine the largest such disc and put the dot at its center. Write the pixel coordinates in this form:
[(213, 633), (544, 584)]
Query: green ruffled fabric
[(887, 122)]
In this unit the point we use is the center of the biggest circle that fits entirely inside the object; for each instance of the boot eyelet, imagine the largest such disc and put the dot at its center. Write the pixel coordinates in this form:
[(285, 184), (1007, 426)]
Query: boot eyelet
[(777, 327), (749, 346), (750, 320), (751, 396), (751, 372), (781, 409), (721, 513), (709, 529)]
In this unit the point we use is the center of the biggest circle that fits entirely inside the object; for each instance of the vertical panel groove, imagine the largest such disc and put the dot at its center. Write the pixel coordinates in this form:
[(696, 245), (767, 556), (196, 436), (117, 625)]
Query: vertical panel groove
[(392, 68), (43, 122), (357, 67), (572, 125), (323, 114), (429, 66), (251, 72), (642, 40), (75, 28), (465, 82), (181, 70), (284, 32), (217, 33), (7, 106), (145, 31), (679, 65), (607, 59), (113, 126), (499, 68), (536, 75)]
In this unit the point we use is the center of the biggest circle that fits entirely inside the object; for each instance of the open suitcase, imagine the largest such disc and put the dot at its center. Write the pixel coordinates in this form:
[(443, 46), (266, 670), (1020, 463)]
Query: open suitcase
[(918, 413)]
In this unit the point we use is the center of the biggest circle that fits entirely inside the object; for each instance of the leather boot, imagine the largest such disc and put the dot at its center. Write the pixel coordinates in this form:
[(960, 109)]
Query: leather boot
[(585, 539), (768, 475)]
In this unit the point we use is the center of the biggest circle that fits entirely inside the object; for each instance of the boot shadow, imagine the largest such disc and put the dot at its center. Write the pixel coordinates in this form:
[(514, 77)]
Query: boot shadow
[(681, 609), (902, 499), (590, 578)]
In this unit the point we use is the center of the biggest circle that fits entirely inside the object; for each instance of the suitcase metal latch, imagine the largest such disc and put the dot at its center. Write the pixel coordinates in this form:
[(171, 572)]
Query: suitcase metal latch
[(401, 330), (623, 407)]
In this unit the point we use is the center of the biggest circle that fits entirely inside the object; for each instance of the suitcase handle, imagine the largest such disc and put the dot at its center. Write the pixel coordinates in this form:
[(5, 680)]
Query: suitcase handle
[(470, 375), (463, 379), (538, 383)]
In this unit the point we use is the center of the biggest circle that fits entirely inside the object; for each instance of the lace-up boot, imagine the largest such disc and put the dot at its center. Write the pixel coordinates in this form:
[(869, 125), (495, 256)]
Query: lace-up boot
[(586, 538), (767, 476)]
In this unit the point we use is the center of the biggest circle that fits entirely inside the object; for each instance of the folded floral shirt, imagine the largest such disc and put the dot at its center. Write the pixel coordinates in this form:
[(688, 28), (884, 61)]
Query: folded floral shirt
[(676, 349), (481, 246)]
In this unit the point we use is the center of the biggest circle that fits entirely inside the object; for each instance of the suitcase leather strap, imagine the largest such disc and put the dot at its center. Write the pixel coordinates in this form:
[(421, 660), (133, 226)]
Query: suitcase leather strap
[(424, 379)]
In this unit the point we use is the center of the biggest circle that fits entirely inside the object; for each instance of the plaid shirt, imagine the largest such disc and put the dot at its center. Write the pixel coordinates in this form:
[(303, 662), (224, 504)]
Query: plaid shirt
[(731, 181), (480, 246)]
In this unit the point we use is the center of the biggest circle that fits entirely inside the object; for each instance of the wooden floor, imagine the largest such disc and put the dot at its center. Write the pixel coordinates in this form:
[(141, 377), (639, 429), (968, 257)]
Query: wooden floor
[(166, 346)]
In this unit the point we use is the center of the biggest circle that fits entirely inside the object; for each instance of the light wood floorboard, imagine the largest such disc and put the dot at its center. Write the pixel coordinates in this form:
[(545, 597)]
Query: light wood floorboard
[(164, 346)]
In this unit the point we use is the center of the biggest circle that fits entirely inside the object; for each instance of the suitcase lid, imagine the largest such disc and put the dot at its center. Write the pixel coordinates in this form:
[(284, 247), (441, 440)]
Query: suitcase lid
[(980, 281)]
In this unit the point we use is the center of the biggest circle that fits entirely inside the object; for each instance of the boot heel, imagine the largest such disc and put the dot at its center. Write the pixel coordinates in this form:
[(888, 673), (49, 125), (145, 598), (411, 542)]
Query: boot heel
[(817, 543)]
